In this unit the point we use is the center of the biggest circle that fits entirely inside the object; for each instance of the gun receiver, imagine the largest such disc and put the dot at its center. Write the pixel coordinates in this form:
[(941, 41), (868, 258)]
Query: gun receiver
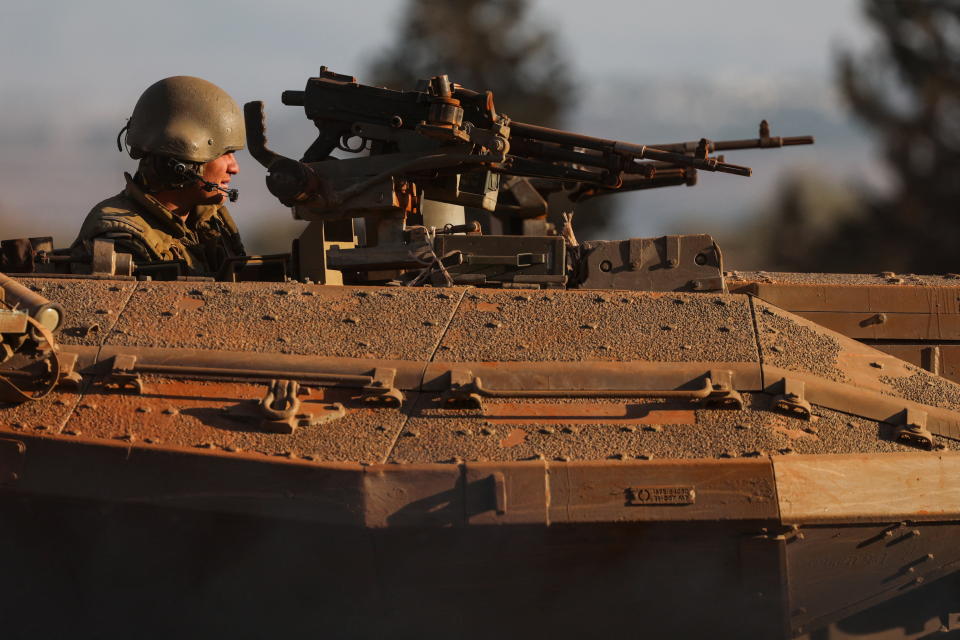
[(449, 144)]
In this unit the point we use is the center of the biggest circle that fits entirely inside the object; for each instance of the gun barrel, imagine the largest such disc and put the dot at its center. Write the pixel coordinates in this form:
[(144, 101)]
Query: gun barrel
[(546, 134), (293, 98), (637, 151), (733, 145)]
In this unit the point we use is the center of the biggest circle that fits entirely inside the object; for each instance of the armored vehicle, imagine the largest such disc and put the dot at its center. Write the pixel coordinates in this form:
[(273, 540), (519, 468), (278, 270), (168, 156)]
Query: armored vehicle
[(409, 427)]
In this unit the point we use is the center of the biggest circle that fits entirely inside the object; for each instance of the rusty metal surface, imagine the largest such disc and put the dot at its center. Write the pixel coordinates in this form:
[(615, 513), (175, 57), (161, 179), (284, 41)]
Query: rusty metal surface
[(287, 318), (740, 279), (93, 306), (629, 429), (196, 415), (836, 571), (852, 488), (872, 312), (519, 428), (595, 455), (391, 495), (928, 611), (940, 359), (669, 263), (793, 343), (506, 326), (45, 416), (658, 491), (247, 574)]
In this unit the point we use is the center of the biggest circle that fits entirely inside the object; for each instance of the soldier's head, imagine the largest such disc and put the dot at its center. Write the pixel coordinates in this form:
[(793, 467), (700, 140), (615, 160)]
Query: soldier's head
[(184, 131)]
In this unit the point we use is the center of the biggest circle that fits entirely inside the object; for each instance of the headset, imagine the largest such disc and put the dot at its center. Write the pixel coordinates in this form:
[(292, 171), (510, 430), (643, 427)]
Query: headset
[(184, 170)]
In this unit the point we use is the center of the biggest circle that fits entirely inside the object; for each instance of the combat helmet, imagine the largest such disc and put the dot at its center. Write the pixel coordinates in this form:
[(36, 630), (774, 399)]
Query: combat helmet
[(186, 118)]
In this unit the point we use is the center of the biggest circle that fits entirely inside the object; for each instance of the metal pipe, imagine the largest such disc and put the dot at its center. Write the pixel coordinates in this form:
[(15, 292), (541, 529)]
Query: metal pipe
[(16, 296)]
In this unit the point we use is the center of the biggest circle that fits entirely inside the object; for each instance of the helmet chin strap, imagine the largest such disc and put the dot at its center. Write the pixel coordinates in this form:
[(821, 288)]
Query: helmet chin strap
[(183, 169)]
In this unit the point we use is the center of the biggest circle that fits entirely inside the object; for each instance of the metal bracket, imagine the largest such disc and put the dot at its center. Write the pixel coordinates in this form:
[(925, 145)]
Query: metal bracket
[(123, 374), (673, 251), (382, 389), (792, 400), (278, 411), (723, 394), (69, 376), (461, 394), (913, 428)]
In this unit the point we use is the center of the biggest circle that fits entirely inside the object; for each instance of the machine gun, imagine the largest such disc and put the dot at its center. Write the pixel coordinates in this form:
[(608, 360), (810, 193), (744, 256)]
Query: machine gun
[(446, 143)]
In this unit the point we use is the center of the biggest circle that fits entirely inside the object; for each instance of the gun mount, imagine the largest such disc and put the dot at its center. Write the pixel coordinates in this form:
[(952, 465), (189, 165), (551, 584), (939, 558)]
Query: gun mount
[(447, 143)]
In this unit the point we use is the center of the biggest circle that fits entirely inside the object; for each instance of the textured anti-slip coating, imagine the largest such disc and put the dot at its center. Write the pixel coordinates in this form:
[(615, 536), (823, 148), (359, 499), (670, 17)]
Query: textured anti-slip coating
[(495, 325), (452, 326), (92, 306), (384, 322)]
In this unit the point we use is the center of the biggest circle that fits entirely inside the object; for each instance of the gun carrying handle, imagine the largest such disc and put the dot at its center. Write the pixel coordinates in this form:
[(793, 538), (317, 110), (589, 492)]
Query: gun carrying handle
[(256, 125)]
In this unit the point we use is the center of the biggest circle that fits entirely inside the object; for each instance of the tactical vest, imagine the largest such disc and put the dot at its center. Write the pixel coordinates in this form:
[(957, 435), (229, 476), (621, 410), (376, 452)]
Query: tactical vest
[(138, 224)]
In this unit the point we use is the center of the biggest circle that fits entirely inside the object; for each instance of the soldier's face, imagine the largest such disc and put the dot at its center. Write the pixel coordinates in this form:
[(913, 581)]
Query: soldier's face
[(219, 171)]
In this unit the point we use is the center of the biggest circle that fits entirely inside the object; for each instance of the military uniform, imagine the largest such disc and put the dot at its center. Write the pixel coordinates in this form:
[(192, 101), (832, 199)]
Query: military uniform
[(140, 225)]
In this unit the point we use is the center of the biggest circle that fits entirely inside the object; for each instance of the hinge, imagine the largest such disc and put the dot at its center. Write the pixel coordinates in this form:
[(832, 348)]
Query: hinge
[(792, 400), (69, 376), (462, 391), (382, 390), (723, 393), (912, 428), (123, 373)]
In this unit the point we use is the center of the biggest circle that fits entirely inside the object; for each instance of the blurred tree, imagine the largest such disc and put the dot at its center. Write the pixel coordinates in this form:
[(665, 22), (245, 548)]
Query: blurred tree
[(802, 215), (908, 91), (488, 45)]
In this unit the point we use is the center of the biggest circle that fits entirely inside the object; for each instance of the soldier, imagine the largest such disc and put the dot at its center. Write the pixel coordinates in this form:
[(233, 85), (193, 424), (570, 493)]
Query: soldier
[(184, 131)]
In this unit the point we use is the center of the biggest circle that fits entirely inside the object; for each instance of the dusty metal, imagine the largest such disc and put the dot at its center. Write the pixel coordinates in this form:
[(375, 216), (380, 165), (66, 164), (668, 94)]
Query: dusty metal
[(669, 263), (451, 142), (32, 365), (519, 404), (792, 398), (913, 428), (381, 390), (199, 422), (280, 409), (12, 321), (18, 297), (917, 320), (123, 374)]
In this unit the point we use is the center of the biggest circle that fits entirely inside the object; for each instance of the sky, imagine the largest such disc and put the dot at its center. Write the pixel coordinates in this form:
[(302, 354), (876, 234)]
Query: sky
[(70, 73)]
